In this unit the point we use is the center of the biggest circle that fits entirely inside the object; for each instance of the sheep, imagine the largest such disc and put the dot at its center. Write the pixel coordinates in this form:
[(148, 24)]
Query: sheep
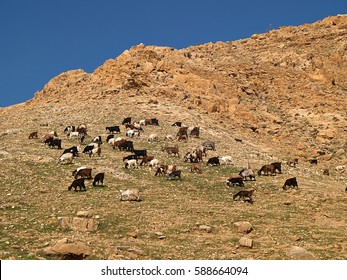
[(291, 182), (66, 157), (129, 195), (268, 169), (78, 183), (99, 178), (244, 193), (73, 134), (247, 172), (130, 163)]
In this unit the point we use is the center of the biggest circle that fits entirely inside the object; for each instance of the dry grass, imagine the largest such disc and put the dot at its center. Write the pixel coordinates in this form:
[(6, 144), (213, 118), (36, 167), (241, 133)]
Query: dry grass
[(34, 194)]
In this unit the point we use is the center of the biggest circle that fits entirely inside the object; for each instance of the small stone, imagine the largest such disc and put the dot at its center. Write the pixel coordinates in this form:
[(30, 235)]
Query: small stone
[(243, 227), (84, 214), (246, 242), (132, 234), (295, 238), (205, 228)]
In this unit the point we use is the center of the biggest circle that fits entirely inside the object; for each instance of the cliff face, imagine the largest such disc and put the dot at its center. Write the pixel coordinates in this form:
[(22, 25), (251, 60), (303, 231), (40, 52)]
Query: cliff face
[(287, 85)]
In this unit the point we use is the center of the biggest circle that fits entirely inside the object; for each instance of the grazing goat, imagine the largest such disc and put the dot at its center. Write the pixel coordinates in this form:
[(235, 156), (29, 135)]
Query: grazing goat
[(95, 151), (196, 168), (69, 128), (99, 178), (247, 193), (213, 161), (129, 195), (153, 163), (54, 143), (146, 159), (82, 172), (126, 146), (140, 153), (278, 166), (78, 183), (126, 121), (179, 124), (195, 132), (291, 182), (171, 151), (235, 180), (74, 150), (113, 129), (33, 135), (225, 160), (268, 169), (209, 145), (132, 133), (247, 172), (130, 163), (66, 157), (174, 174)]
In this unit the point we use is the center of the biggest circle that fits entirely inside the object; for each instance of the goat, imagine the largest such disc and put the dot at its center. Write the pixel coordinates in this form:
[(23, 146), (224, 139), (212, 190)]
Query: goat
[(95, 151), (33, 135), (140, 153), (179, 124), (82, 172), (225, 160), (126, 146), (113, 129), (268, 169), (278, 166), (134, 126), (78, 183), (146, 159), (174, 174), (69, 128), (74, 150), (182, 137), (247, 172), (129, 195), (118, 143), (209, 145), (195, 167), (153, 163), (130, 163), (132, 133), (73, 134), (235, 180), (99, 178), (126, 121), (97, 140), (54, 143), (244, 193), (213, 161), (66, 157), (171, 151), (195, 132), (291, 182)]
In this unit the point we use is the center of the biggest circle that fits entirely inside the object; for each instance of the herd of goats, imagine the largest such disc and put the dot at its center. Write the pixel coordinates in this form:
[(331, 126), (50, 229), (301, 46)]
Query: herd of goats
[(140, 157)]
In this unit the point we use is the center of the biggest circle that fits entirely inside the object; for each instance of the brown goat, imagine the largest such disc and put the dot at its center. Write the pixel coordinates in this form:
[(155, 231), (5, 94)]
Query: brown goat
[(268, 169), (244, 193), (196, 167)]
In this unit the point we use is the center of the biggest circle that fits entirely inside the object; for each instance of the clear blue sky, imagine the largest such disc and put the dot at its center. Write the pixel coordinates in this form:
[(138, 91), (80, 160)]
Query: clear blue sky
[(43, 38)]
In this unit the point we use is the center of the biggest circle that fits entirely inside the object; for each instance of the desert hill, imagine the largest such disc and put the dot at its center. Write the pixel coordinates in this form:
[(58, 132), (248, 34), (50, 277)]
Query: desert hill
[(283, 93)]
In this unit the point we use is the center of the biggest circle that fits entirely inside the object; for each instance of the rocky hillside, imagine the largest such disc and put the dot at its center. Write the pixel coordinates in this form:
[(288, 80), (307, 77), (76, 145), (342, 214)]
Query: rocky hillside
[(281, 94), (287, 86)]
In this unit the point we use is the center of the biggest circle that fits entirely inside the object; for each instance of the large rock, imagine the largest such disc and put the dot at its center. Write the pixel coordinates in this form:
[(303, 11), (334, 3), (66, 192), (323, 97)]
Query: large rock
[(299, 253), (243, 227), (68, 251), (78, 223)]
